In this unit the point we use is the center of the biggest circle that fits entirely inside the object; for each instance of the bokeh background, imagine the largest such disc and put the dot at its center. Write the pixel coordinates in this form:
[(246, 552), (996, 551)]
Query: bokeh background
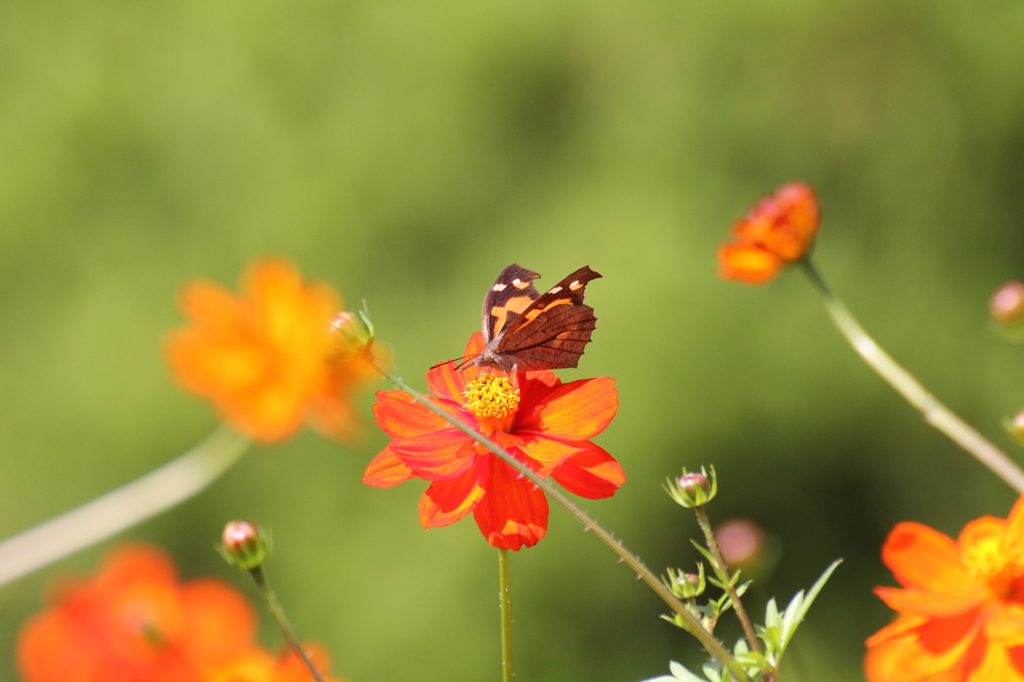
[(406, 152)]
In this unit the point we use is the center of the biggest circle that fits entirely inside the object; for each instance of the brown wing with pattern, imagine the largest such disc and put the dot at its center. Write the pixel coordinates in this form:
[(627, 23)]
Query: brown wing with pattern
[(553, 331)]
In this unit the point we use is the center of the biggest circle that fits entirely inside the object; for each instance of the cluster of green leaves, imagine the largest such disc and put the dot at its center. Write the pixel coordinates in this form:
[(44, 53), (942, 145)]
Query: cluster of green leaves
[(776, 633)]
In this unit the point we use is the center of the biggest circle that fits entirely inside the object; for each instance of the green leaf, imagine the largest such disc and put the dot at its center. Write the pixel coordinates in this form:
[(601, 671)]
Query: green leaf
[(799, 605), (682, 674), (712, 672)]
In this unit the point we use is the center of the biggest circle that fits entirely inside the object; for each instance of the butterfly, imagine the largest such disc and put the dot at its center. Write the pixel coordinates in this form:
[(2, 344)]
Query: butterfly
[(525, 330)]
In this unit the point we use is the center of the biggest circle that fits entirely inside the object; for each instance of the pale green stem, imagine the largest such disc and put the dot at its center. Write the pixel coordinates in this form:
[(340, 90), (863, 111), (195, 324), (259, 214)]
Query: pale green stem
[(277, 611), (713, 646), (933, 411), (505, 597), (121, 508)]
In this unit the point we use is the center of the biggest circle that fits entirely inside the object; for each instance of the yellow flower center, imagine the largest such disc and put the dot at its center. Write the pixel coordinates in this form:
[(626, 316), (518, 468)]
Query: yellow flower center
[(991, 562), (494, 401)]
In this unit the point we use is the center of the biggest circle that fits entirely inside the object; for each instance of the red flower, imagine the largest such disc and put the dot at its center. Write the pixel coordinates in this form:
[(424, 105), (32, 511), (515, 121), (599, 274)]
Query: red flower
[(544, 423), (134, 622), (961, 607), (264, 357), (777, 231)]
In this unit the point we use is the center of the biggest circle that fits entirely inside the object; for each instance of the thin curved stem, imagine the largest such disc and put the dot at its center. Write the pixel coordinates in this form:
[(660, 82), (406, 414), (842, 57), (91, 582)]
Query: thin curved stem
[(505, 598), (277, 611), (712, 645), (123, 507), (933, 411)]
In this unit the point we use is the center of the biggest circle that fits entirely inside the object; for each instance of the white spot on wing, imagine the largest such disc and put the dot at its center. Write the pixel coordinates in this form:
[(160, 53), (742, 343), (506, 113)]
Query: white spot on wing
[(575, 285), (499, 287), (555, 290)]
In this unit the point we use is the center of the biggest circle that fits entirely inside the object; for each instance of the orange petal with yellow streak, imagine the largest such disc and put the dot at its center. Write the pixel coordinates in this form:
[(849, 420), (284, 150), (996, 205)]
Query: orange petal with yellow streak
[(386, 470), (926, 559), (514, 512), (746, 263), (578, 410), (447, 501), (930, 604)]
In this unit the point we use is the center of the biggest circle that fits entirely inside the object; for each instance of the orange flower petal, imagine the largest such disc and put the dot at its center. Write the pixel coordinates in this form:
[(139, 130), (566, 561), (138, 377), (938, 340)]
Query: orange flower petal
[(923, 558), (547, 452), (1005, 624), (934, 651), (985, 529), (212, 308), (933, 604), (591, 473), (399, 415), (255, 665), (51, 648), (447, 501), (435, 456), (747, 263), (899, 627), (784, 223), (578, 410), (994, 665), (514, 512), (221, 623), (386, 470)]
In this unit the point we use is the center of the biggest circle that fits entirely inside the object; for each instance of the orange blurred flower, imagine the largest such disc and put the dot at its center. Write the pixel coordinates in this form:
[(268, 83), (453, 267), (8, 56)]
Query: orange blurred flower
[(259, 666), (135, 622), (264, 357), (544, 423), (777, 231), (961, 607)]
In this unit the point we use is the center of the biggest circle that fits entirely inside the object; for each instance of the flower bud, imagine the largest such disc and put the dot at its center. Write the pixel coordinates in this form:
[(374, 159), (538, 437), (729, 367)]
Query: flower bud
[(693, 489), (1007, 305), (691, 584), (244, 545), (686, 585), (350, 333)]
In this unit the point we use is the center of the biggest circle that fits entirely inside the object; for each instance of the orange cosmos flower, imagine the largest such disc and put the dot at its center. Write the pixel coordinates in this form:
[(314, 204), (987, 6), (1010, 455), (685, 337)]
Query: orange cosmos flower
[(264, 358), (259, 666), (777, 231), (135, 622), (961, 607), (544, 423)]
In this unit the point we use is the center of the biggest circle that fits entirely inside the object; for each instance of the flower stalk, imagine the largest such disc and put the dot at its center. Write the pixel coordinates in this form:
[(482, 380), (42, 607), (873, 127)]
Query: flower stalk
[(277, 611), (933, 411), (723, 572), (505, 598), (713, 646), (123, 507)]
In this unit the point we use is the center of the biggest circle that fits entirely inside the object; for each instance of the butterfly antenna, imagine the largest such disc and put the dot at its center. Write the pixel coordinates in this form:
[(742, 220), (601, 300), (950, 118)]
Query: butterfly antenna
[(460, 362)]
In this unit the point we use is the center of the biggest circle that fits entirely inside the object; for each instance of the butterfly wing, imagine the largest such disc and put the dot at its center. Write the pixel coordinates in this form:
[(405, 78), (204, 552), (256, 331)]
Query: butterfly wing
[(554, 330), (510, 295)]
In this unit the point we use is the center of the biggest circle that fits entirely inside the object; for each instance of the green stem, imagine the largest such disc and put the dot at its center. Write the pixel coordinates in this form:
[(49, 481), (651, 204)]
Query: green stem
[(277, 611), (713, 646), (505, 597), (723, 572), (933, 411), (122, 507)]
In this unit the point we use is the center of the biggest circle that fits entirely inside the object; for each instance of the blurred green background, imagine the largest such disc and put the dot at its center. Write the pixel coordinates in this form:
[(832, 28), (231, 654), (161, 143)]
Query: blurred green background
[(406, 152)]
